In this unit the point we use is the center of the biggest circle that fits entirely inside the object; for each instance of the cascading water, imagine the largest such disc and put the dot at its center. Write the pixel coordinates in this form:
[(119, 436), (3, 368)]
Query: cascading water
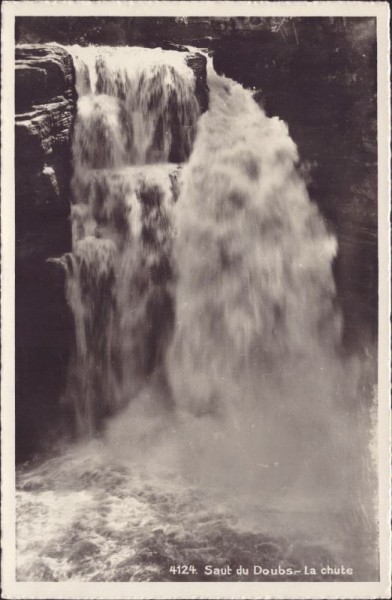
[(256, 321), (136, 110), (205, 316)]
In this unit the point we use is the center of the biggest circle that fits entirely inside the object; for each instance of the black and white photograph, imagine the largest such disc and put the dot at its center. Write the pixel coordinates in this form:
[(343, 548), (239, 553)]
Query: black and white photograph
[(195, 288)]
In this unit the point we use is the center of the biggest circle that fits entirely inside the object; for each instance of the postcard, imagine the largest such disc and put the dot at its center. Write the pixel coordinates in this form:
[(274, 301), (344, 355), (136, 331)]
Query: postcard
[(195, 300)]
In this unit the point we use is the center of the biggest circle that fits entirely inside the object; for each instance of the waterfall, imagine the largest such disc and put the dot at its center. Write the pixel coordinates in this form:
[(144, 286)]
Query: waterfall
[(253, 363), (136, 119), (255, 285), (228, 291), (218, 421)]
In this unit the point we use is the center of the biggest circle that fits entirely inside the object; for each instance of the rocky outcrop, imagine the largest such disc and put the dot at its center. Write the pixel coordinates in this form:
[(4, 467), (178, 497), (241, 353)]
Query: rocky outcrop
[(45, 107), (44, 103), (198, 63)]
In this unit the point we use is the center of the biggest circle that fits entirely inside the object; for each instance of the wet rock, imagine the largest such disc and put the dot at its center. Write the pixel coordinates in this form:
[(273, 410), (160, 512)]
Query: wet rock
[(42, 72), (45, 109), (198, 63)]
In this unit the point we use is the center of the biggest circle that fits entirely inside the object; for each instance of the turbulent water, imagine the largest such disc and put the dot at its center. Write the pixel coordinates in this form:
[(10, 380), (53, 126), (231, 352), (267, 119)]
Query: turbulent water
[(136, 120), (207, 360)]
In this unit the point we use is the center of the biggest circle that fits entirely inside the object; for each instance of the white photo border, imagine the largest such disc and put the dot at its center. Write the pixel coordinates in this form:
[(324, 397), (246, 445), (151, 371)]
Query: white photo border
[(205, 590)]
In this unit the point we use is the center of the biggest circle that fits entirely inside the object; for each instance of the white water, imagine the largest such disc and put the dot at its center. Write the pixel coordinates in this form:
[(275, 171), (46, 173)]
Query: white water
[(208, 323), (136, 106), (136, 111)]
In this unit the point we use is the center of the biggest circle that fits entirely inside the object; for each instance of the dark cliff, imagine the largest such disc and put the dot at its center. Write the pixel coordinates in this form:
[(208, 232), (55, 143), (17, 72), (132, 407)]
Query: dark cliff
[(45, 107)]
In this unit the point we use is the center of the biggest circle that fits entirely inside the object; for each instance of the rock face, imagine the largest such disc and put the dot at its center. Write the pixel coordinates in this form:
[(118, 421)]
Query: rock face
[(45, 107), (44, 103), (198, 63)]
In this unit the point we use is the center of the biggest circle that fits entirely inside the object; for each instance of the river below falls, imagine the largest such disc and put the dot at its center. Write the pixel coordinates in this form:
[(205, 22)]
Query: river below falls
[(86, 516)]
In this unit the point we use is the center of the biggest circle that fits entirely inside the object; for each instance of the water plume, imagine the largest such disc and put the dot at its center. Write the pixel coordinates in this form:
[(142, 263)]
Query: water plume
[(270, 403)]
